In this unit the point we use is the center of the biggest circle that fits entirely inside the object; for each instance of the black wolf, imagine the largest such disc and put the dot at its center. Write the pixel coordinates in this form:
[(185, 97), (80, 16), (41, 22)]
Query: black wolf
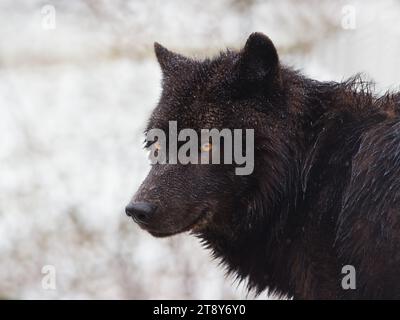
[(325, 190)]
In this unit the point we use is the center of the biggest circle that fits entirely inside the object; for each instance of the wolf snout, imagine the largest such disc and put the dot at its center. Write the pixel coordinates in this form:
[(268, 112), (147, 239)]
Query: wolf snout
[(141, 212)]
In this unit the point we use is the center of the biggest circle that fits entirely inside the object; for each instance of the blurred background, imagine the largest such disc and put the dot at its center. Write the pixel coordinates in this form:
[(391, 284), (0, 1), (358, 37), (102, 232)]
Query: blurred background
[(78, 80)]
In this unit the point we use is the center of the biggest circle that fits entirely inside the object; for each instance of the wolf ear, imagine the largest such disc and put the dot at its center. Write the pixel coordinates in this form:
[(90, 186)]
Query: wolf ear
[(259, 59), (169, 61)]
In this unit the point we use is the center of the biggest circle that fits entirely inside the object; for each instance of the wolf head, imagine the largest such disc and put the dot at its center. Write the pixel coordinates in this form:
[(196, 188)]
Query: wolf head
[(237, 90)]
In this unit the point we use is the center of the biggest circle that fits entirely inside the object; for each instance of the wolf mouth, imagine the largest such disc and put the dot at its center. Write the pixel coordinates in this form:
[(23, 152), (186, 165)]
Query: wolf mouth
[(198, 223)]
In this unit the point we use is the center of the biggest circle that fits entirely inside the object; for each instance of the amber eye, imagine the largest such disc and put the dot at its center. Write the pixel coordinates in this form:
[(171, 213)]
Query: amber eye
[(157, 145), (206, 147)]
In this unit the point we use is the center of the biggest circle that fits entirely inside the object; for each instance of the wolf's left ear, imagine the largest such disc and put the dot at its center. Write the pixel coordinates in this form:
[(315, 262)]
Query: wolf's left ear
[(169, 61), (259, 59)]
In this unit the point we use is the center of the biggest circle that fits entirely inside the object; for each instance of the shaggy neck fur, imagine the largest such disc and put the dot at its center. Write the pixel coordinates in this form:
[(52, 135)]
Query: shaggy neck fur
[(286, 241)]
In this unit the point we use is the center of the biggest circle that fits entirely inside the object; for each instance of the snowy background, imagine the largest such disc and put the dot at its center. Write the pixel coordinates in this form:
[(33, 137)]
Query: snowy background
[(78, 80)]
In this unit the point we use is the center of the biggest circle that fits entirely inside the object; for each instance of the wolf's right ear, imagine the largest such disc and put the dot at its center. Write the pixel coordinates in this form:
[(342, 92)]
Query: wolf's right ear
[(169, 61), (259, 59)]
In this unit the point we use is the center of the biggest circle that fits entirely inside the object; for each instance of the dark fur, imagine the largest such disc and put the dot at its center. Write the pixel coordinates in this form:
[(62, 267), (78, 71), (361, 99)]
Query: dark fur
[(325, 191)]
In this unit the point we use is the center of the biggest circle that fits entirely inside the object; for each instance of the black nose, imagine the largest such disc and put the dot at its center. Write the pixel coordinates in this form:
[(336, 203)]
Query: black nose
[(140, 211)]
